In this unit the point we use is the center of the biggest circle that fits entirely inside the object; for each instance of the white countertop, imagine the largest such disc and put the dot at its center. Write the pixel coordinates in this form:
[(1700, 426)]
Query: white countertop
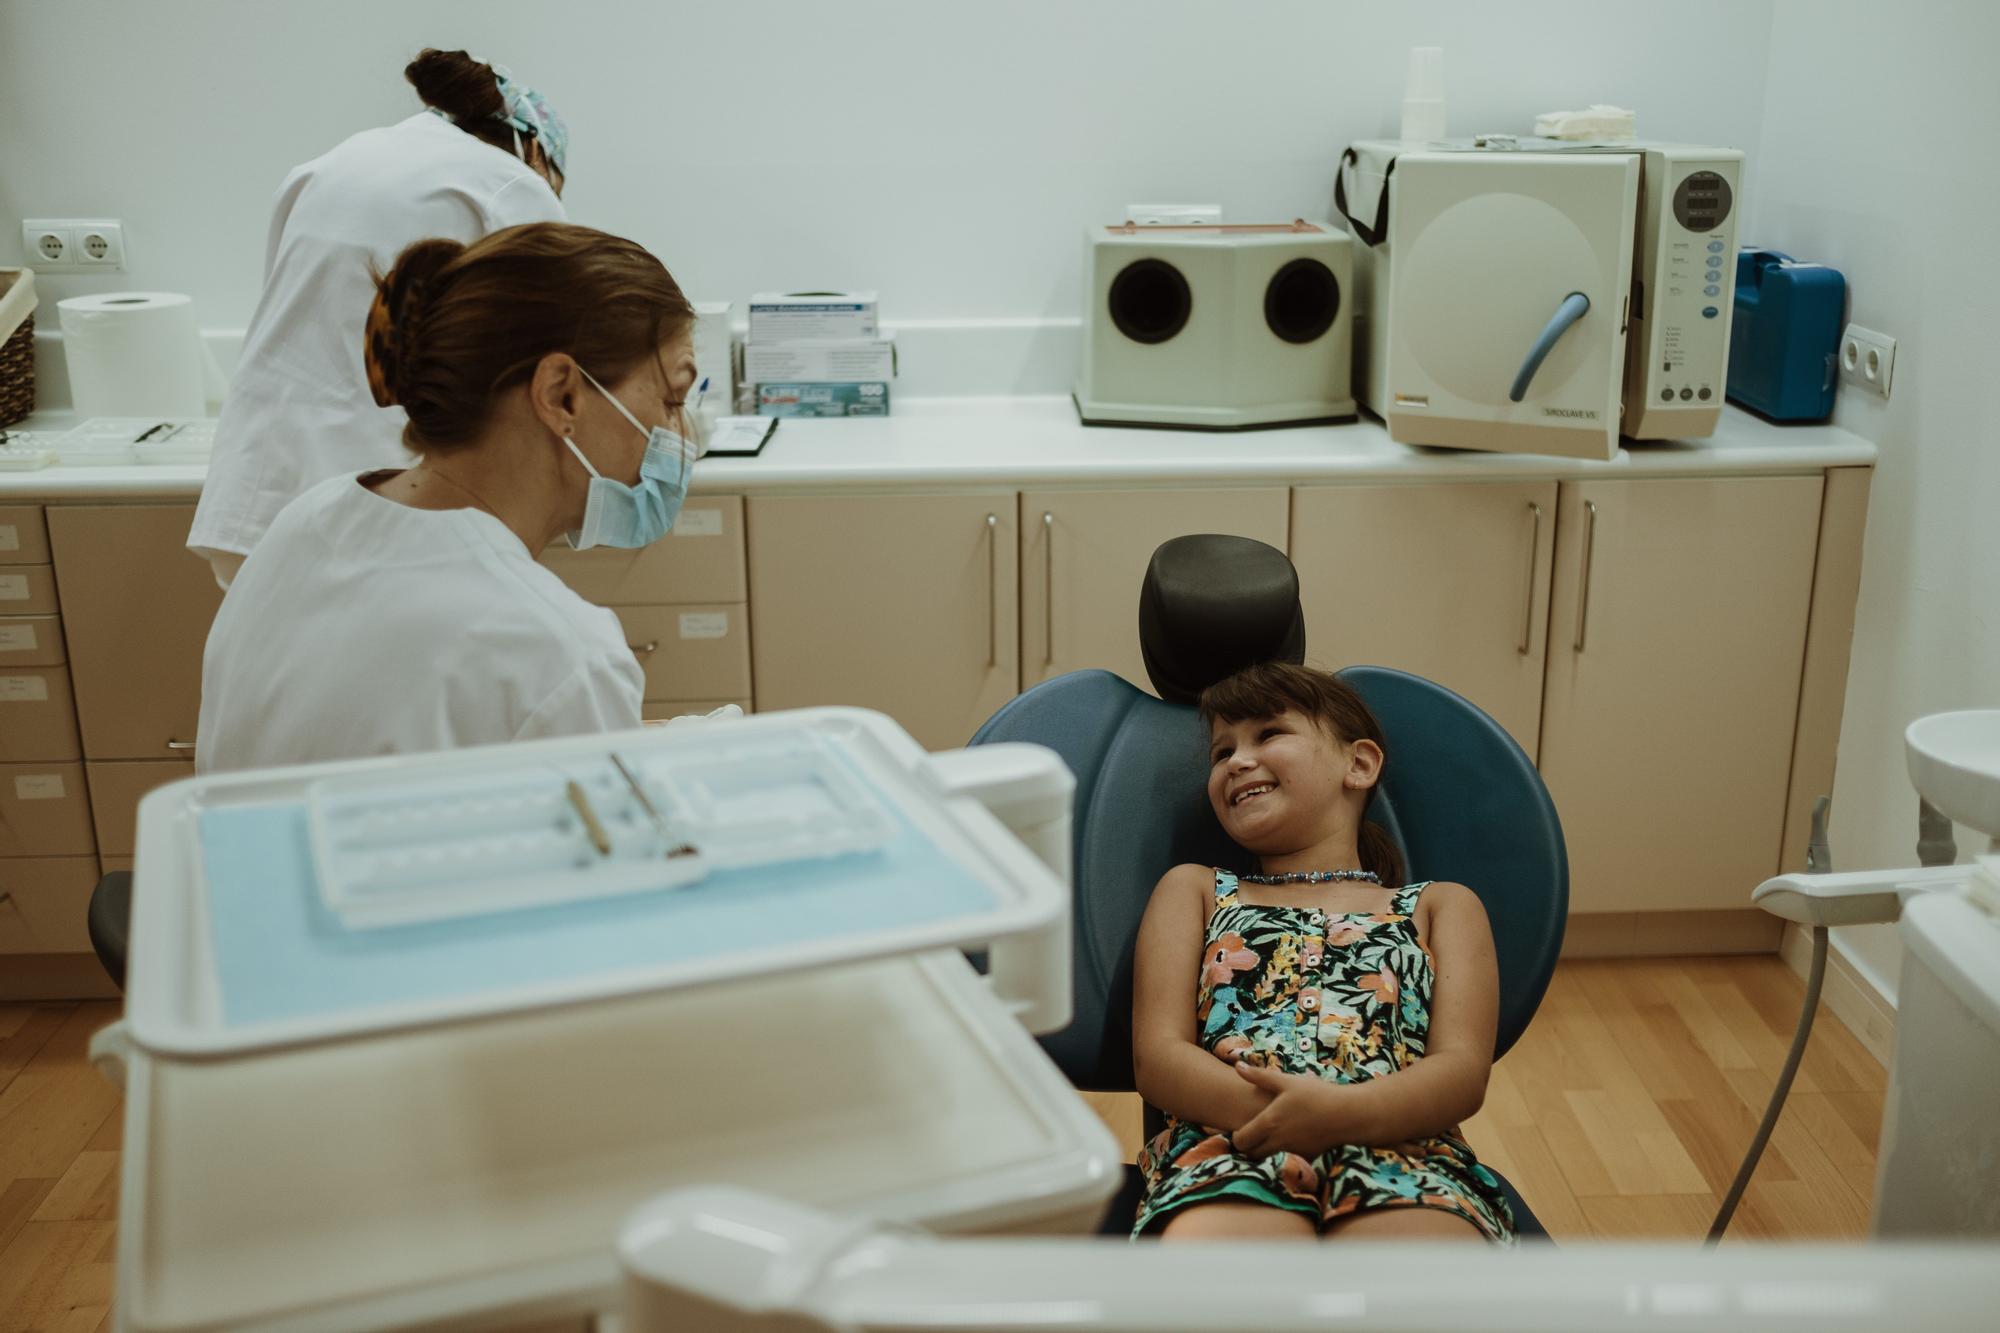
[(951, 444)]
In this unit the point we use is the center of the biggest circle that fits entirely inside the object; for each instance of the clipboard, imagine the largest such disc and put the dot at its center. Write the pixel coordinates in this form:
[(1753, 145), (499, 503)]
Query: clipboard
[(739, 437)]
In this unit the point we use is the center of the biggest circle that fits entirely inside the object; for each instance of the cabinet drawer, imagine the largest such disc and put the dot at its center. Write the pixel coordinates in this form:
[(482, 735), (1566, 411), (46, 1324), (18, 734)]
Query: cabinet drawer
[(27, 590), (24, 540), (37, 715), (45, 904), (690, 652), (44, 811), (661, 710), (701, 560), (27, 641), (115, 789)]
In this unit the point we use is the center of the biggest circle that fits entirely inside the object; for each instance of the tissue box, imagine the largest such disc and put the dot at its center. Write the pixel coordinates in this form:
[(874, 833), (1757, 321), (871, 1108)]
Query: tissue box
[(823, 400), (788, 317), (832, 361)]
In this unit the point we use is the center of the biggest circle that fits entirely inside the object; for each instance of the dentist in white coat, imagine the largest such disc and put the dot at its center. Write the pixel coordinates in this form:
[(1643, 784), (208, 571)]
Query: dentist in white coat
[(547, 374)]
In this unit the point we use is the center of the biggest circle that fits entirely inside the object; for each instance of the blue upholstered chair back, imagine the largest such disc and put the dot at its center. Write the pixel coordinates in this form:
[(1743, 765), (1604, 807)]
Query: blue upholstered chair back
[(1458, 795)]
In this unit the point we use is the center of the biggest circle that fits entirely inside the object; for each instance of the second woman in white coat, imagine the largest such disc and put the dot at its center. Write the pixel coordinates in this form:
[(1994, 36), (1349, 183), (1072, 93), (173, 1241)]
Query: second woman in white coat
[(486, 154)]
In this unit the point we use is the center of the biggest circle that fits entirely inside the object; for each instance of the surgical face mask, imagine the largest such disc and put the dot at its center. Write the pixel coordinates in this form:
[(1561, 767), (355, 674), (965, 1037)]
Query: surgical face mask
[(615, 514)]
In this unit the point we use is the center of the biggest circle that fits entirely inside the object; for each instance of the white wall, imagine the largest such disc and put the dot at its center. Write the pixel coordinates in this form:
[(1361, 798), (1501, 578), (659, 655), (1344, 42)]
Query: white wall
[(948, 153), (1877, 157)]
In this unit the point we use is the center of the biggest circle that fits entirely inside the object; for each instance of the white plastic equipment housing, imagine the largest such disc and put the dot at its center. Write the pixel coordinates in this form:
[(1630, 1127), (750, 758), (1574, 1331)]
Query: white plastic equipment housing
[(727, 1261)]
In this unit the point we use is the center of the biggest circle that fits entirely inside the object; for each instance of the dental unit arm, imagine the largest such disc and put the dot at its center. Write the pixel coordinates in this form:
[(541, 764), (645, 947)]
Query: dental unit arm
[(1954, 762)]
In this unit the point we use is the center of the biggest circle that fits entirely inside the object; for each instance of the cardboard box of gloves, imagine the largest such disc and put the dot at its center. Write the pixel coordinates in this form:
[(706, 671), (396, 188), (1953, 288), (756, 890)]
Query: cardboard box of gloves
[(818, 354)]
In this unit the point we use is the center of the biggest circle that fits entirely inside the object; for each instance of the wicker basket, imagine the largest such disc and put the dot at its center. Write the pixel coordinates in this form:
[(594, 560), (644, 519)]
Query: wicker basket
[(17, 345)]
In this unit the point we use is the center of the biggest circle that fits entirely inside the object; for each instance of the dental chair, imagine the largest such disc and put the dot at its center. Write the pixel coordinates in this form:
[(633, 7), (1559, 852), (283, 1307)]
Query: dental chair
[(1459, 797)]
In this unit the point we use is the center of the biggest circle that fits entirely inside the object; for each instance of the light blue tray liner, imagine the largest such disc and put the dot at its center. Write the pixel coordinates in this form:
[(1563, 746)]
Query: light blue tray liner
[(281, 955)]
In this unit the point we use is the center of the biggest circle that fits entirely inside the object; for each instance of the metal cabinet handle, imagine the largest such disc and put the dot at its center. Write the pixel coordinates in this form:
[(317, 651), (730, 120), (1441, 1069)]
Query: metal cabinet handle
[(1048, 589), (1528, 611), (993, 590), (1583, 580), (180, 745), (646, 649)]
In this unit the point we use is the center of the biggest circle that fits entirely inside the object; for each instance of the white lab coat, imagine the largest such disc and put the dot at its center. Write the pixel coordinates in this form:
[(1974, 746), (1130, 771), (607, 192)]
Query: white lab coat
[(361, 626), (298, 409)]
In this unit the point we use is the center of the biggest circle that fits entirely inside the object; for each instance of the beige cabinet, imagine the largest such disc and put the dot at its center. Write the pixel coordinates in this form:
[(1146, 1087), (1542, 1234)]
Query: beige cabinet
[(37, 714), (24, 540), (690, 652), (45, 905), (906, 603), (115, 789), (44, 811), (27, 590), (1676, 636), (136, 607), (30, 641), (1446, 580), (700, 560), (1084, 556)]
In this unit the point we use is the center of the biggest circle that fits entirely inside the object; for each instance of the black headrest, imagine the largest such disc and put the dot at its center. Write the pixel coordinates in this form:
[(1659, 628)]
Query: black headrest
[(1212, 605)]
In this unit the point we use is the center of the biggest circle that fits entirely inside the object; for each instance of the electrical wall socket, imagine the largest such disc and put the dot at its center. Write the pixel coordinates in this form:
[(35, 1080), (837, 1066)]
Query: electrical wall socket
[(65, 245), (1867, 359), (48, 244), (100, 245)]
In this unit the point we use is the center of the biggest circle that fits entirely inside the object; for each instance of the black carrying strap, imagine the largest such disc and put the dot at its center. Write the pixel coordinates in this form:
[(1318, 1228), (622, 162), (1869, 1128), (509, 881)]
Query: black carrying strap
[(1367, 235)]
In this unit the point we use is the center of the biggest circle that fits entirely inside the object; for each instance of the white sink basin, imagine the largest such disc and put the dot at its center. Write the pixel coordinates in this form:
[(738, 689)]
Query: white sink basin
[(1955, 765)]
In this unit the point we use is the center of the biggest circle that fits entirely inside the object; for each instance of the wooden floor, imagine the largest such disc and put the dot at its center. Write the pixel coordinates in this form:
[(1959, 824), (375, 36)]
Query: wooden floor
[(1622, 1114)]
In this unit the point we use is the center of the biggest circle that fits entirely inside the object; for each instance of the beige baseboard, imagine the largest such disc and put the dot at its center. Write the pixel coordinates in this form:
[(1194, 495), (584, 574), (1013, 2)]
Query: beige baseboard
[(1847, 995), (1670, 934)]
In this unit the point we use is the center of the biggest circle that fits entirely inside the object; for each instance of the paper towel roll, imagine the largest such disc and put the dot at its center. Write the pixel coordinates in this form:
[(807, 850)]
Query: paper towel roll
[(133, 354)]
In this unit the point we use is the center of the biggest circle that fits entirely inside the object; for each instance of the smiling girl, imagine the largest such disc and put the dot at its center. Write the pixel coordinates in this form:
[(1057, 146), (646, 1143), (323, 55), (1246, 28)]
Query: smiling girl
[(1315, 1032)]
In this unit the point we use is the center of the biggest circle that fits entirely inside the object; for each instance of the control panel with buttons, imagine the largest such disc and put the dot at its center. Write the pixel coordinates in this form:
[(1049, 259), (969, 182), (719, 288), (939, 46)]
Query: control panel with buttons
[(1677, 353)]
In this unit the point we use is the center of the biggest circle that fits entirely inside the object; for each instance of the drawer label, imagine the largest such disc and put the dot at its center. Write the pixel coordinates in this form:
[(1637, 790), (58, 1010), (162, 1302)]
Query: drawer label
[(39, 787), (10, 537), (705, 625), (17, 638), (13, 587), (698, 523), (23, 690)]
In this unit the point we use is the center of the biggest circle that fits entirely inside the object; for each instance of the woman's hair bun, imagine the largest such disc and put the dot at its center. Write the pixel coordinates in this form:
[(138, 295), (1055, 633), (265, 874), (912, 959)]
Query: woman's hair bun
[(454, 83), (393, 341)]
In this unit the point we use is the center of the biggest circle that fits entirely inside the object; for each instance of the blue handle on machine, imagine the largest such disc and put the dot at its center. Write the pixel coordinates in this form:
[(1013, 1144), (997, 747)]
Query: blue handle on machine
[(1569, 312)]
